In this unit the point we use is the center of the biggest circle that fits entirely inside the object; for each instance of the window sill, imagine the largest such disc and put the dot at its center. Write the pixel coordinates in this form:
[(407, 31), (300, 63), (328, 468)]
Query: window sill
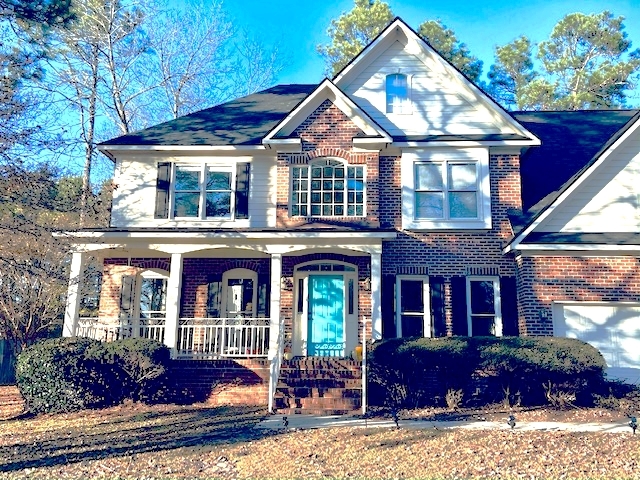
[(471, 224)]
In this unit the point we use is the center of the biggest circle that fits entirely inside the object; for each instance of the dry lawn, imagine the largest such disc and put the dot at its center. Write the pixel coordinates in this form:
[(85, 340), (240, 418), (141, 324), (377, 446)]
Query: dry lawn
[(153, 442)]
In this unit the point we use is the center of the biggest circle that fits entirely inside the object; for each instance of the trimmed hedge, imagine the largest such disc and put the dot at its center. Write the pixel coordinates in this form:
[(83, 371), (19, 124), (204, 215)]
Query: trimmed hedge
[(145, 364), (414, 372), (68, 374)]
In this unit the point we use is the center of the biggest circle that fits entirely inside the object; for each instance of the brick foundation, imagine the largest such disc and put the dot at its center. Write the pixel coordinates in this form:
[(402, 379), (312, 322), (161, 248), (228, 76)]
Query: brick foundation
[(223, 382)]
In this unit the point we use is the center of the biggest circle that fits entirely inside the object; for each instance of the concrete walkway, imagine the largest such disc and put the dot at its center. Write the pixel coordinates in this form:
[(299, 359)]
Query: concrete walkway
[(303, 422)]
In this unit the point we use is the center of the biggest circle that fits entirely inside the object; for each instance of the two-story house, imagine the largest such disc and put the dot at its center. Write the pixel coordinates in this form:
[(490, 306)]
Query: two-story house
[(397, 199)]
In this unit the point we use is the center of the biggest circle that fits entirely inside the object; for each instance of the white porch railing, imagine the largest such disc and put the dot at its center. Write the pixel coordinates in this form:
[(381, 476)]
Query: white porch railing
[(107, 330), (223, 337)]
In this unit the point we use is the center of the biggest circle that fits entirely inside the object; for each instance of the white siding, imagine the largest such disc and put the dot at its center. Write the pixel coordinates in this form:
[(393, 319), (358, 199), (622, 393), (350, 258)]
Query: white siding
[(441, 104), (608, 201), (134, 198)]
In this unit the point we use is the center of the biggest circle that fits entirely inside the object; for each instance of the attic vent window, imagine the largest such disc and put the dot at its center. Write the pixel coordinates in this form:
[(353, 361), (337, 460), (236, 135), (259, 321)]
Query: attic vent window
[(397, 89)]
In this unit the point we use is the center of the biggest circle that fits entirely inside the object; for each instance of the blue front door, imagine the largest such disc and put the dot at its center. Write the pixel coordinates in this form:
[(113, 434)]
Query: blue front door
[(326, 316)]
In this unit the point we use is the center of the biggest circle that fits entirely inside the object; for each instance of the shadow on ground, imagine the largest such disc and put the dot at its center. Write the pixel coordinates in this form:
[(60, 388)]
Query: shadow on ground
[(131, 434)]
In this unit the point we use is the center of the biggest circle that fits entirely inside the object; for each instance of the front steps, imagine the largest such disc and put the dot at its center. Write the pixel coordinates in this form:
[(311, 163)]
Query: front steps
[(319, 386)]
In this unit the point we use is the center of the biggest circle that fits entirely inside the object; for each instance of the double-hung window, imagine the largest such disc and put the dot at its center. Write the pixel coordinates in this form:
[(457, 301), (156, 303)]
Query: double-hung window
[(328, 188), (202, 191), (484, 316), (446, 189)]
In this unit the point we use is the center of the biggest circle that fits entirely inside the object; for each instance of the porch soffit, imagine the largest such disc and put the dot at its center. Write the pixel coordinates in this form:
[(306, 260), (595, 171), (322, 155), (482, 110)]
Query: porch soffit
[(238, 246)]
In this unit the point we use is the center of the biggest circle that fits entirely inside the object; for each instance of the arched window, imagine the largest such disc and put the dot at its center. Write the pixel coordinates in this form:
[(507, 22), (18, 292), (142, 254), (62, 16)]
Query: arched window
[(397, 88), (327, 188)]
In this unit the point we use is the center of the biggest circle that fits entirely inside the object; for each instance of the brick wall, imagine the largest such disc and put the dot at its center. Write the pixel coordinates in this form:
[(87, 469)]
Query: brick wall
[(451, 253), (544, 279), (328, 132), (113, 271), (196, 276), (223, 382)]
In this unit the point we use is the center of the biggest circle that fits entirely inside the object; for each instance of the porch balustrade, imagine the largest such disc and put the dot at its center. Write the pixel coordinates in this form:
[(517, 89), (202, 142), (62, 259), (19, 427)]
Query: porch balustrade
[(202, 338), (223, 337)]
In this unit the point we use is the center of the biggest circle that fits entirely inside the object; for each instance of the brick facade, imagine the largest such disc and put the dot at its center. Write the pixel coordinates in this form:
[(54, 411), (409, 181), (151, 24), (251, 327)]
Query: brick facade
[(328, 132), (545, 279), (451, 253)]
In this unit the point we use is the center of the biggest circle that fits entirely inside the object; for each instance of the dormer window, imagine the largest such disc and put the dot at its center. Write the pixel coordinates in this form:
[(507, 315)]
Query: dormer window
[(397, 88)]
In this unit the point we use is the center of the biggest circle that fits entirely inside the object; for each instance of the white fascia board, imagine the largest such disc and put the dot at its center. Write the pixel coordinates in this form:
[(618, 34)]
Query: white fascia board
[(575, 185), (110, 149), (370, 143), (465, 143), (292, 145), (327, 91), (532, 249), (226, 235)]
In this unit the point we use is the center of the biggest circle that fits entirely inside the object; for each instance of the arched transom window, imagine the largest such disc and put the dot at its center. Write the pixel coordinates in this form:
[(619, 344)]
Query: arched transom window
[(328, 188)]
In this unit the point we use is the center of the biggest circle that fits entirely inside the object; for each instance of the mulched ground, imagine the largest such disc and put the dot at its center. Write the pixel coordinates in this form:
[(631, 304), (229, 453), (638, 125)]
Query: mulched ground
[(133, 441)]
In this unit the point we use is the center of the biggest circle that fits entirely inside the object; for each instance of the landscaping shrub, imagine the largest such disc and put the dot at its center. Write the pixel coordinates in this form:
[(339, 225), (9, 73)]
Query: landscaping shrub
[(533, 370), (67, 374), (413, 372), (145, 364)]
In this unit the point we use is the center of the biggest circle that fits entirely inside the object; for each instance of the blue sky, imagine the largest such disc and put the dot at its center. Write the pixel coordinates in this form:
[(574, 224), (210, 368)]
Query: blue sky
[(299, 25)]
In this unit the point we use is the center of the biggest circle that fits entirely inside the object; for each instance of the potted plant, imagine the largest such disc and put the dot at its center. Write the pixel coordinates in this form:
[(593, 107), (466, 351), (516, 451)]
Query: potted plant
[(288, 354), (357, 353)]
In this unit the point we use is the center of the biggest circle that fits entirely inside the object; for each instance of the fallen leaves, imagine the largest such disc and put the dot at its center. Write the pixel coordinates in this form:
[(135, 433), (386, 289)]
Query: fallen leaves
[(135, 441)]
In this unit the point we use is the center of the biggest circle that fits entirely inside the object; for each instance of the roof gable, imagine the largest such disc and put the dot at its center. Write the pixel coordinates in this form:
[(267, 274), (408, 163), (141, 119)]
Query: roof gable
[(325, 91), (617, 152), (445, 103)]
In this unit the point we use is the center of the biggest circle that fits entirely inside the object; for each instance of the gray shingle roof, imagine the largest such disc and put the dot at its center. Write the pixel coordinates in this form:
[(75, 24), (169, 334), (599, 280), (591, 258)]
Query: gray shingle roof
[(570, 142), (244, 121)]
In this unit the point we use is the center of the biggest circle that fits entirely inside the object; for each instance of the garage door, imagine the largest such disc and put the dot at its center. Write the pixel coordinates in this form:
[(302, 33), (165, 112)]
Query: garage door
[(612, 328)]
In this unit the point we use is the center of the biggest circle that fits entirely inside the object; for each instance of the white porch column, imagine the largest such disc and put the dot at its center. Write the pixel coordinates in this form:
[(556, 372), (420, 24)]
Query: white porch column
[(72, 308), (274, 306), (174, 287), (376, 296)]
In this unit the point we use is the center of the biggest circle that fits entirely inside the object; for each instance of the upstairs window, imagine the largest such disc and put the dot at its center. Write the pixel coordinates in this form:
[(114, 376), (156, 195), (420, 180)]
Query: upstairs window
[(397, 88), (203, 191), (446, 189), (328, 188)]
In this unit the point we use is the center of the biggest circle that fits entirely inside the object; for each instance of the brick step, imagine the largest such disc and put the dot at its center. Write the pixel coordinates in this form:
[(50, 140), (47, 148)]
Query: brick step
[(316, 411), (307, 377), (348, 404), (305, 392), (320, 382), (321, 363)]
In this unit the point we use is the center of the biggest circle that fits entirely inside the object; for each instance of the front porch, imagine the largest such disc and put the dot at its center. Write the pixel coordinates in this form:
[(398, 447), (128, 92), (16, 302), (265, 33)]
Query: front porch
[(266, 303)]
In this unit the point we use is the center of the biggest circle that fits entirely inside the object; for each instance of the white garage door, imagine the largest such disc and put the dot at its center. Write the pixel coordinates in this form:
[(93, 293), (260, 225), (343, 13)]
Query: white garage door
[(612, 328)]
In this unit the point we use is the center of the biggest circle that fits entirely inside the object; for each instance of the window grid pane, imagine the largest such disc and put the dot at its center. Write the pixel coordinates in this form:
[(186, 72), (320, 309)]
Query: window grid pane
[(187, 192), (328, 193)]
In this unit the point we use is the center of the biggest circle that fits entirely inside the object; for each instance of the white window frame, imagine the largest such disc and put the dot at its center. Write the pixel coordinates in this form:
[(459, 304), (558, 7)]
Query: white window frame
[(446, 156), (202, 168), (497, 302), (239, 274), (150, 274), (427, 326), (406, 106), (346, 189)]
